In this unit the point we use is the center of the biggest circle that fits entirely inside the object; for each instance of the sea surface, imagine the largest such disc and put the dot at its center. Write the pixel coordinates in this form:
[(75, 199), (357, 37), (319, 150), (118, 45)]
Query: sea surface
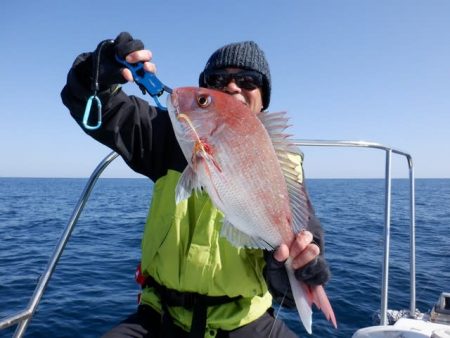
[(93, 286)]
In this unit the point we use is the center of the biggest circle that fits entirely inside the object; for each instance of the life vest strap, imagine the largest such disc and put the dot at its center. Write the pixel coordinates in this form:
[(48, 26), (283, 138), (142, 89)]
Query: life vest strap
[(196, 302)]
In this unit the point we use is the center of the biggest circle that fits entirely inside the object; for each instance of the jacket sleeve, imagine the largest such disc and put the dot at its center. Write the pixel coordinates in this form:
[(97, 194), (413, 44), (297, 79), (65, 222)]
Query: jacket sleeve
[(140, 133)]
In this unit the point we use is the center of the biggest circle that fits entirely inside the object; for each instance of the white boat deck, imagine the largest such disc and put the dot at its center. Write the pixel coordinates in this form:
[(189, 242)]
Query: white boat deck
[(434, 325), (406, 328)]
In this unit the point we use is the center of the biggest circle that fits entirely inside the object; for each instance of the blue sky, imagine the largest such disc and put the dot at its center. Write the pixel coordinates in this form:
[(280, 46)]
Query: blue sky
[(374, 70)]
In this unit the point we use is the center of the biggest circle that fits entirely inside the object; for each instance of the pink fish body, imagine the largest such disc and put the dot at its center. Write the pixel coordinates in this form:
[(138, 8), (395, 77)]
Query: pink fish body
[(244, 162)]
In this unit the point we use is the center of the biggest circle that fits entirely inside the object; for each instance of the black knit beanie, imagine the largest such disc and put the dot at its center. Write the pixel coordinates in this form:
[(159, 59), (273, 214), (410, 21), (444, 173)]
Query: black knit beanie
[(245, 55)]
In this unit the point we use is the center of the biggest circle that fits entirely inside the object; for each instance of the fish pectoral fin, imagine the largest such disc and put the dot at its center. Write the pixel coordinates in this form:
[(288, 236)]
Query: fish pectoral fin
[(211, 167), (188, 181), (208, 161)]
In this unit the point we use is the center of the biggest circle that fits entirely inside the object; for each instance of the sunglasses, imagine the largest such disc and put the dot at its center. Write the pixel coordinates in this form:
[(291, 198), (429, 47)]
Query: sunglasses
[(246, 79)]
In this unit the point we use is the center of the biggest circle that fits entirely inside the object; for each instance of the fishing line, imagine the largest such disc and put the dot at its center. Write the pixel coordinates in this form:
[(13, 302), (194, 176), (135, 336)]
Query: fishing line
[(182, 116), (199, 142), (277, 313)]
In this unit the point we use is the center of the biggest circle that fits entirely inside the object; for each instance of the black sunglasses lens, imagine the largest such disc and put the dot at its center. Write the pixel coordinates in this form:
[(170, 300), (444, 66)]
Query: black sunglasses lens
[(217, 80), (245, 80), (248, 81)]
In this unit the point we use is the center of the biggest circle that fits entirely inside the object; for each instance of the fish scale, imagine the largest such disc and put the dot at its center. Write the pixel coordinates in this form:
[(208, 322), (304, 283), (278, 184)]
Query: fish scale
[(238, 212)]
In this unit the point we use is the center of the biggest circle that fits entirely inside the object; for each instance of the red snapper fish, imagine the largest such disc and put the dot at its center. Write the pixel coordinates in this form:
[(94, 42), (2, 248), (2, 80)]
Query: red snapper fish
[(245, 163)]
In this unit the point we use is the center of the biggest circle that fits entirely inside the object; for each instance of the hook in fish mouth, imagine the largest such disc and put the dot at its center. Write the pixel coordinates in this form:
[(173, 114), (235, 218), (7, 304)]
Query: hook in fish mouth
[(182, 116)]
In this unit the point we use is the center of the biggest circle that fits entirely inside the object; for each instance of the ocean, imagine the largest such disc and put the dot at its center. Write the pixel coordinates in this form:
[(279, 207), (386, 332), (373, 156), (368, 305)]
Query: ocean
[(93, 286)]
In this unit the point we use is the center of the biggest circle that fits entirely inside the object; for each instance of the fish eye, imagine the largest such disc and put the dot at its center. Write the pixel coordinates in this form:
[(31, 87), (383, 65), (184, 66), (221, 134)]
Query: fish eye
[(204, 100)]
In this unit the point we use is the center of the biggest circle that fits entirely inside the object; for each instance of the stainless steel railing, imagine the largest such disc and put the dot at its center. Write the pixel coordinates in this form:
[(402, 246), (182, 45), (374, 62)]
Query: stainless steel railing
[(387, 216), (23, 317)]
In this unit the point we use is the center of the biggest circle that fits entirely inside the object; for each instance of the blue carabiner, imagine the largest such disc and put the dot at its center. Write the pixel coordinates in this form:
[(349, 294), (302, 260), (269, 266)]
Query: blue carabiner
[(87, 113), (87, 109), (148, 82)]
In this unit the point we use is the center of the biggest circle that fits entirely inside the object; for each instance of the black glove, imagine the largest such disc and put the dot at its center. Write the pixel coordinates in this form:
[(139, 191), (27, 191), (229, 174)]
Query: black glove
[(315, 272), (103, 60), (278, 281), (105, 54)]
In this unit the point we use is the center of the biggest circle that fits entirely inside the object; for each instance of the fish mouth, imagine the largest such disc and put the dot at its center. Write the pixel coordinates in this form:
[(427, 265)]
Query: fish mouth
[(180, 122), (172, 103), (173, 108)]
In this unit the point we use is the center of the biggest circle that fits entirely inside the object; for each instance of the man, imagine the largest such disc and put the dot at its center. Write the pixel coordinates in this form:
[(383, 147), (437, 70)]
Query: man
[(194, 282)]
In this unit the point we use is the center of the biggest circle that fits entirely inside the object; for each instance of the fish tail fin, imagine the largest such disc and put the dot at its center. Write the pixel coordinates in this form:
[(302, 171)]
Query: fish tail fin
[(320, 299), (305, 296)]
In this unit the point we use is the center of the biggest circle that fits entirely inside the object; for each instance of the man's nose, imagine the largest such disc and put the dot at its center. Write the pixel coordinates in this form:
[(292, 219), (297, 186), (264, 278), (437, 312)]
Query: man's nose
[(232, 87)]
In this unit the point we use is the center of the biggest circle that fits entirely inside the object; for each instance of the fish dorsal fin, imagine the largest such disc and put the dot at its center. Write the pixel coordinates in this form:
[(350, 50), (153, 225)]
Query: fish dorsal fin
[(276, 124), (186, 184), (290, 158), (240, 239)]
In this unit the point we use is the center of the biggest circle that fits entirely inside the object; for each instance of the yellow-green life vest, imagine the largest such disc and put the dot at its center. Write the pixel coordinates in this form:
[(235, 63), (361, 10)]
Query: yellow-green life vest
[(182, 249)]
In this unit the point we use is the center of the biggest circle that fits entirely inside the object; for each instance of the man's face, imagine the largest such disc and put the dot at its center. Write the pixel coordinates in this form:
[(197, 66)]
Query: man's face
[(245, 86)]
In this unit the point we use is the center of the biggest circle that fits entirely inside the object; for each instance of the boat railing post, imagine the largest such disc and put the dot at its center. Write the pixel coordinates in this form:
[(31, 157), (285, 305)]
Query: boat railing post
[(412, 238), (387, 236), (387, 215)]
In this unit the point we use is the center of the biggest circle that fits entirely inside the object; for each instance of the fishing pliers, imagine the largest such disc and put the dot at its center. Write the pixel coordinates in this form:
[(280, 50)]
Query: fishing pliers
[(147, 82)]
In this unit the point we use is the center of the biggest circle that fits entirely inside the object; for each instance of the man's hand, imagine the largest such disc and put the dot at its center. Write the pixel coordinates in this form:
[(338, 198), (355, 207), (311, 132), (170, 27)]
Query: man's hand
[(144, 56), (307, 262), (302, 250), (110, 71)]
